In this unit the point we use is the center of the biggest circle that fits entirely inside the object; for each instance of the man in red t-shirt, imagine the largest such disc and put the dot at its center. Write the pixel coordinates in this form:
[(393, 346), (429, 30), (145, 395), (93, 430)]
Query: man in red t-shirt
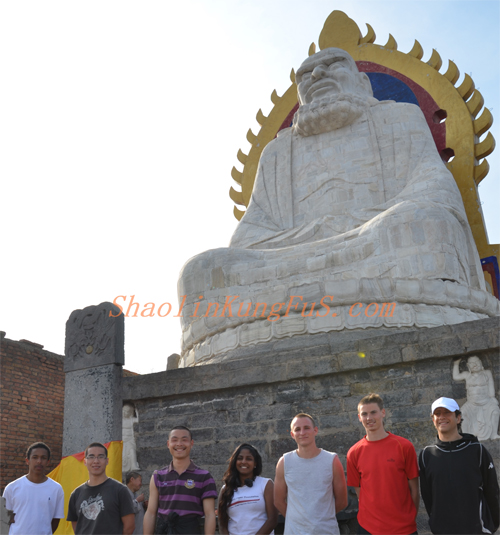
[(384, 471)]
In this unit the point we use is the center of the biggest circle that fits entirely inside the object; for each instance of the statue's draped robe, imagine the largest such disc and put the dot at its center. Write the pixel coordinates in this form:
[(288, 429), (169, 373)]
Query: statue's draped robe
[(368, 206), (384, 165)]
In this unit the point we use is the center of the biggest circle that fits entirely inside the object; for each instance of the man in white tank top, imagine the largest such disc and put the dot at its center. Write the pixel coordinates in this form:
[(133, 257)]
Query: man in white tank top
[(310, 486)]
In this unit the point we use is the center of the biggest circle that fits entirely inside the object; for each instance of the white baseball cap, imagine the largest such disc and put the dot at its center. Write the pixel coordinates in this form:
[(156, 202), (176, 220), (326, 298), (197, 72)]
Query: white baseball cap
[(447, 403)]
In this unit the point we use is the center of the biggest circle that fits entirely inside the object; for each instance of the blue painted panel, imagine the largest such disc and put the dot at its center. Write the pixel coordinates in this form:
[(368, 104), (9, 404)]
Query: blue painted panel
[(386, 87)]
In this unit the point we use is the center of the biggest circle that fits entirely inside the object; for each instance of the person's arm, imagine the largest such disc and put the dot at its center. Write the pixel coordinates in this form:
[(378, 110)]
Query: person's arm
[(209, 512), (72, 515), (353, 475), (59, 509), (425, 487), (271, 511), (412, 472), (150, 514), (128, 524), (415, 496), (339, 485), (137, 505), (280, 488), (490, 486), (9, 506), (222, 527)]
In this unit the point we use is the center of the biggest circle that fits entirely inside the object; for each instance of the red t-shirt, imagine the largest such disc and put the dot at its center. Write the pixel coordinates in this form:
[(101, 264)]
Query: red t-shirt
[(382, 468)]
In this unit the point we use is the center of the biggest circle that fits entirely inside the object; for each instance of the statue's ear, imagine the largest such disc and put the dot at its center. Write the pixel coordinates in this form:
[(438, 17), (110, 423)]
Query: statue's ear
[(365, 82)]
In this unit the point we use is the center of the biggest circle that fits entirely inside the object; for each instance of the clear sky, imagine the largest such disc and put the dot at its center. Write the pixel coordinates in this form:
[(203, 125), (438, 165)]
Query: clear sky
[(120, 125)]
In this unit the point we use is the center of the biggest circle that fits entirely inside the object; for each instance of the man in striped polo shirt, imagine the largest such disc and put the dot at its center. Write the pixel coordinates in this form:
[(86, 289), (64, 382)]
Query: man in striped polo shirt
[(181, 493)]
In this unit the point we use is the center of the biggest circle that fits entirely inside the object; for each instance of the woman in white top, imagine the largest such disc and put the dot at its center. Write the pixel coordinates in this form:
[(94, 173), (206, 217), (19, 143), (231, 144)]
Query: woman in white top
[(246, 501)]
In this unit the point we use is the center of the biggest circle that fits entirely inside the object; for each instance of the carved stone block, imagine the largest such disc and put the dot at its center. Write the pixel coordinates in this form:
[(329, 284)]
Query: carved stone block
[(94, 337)]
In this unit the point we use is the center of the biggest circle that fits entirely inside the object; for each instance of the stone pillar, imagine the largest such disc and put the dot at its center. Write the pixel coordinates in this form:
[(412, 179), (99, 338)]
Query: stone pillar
[(4, 517), (94, 356)]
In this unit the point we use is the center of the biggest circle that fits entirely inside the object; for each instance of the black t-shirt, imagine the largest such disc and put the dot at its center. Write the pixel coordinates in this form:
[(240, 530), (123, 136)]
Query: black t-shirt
[(99, 509)]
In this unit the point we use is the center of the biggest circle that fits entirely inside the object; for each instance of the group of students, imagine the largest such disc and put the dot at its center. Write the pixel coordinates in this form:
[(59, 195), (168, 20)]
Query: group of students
[(458, 481), (458, 484)]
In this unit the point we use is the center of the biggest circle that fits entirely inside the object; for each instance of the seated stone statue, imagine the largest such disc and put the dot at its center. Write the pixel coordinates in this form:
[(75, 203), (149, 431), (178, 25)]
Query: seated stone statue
[(352, 206), (481, 411)]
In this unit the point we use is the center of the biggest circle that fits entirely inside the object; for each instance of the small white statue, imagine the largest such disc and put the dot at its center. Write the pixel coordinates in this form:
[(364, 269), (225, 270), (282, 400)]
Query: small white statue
[(481, 412), (129, 456)]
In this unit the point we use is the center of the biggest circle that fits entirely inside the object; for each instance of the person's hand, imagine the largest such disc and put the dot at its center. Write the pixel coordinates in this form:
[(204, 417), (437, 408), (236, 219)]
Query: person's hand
[(140, 498)]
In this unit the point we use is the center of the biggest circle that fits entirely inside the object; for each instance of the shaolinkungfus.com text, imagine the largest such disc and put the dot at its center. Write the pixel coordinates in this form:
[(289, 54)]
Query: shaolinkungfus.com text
[(231, 309)]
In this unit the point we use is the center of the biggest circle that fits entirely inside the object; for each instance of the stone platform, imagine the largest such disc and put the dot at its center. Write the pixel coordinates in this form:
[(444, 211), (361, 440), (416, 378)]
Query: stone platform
[(253, 398)]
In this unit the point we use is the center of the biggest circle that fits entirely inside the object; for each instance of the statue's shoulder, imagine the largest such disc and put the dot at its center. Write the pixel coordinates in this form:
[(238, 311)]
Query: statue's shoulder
[(391, 112), (278, 143)]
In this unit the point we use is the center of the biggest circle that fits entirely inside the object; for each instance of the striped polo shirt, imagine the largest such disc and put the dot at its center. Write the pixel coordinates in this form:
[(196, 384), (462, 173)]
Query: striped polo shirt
[(183, 494)]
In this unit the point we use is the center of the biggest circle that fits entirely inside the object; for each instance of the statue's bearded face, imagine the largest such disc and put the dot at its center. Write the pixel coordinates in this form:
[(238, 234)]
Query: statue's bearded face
[(332, 92), (328, 74)]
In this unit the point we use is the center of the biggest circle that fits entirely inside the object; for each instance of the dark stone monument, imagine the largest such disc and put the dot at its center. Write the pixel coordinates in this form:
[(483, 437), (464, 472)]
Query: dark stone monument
[(94, 356)]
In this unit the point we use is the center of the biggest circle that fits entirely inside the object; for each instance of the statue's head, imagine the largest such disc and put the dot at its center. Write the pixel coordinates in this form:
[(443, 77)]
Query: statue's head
[(128, 411), (474, 364), (332, 92), (329, 73)]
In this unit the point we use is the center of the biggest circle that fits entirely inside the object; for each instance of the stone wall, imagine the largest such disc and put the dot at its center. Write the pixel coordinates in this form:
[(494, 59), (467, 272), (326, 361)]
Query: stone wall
[(32, 400), (253, 399)]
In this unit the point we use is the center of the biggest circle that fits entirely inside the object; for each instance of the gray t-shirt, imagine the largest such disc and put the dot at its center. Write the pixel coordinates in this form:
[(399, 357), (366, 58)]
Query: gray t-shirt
[(99, 510)]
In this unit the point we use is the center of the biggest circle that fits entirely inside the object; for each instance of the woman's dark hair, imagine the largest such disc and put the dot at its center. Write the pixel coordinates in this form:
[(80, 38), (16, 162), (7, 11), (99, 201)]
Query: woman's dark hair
[(231, 480)]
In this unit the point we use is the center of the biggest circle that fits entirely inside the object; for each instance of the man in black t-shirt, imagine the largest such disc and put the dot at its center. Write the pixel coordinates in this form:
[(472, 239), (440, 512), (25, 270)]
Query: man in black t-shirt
[(101, 505)]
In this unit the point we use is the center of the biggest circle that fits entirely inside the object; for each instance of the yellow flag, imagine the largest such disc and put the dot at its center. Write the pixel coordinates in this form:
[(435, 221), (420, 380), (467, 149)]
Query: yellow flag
[(71, 473)]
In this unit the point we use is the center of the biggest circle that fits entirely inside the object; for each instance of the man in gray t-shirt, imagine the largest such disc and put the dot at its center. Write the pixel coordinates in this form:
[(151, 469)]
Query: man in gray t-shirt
[(101, 505), (310, 487)]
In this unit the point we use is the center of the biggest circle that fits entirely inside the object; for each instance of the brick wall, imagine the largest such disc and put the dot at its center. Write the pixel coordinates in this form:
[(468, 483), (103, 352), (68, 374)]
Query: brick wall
[(32, 404)]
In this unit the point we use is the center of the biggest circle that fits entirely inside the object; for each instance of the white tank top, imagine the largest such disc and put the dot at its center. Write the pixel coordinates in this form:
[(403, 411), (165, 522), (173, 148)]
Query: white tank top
[(247, 512), (310, 501)]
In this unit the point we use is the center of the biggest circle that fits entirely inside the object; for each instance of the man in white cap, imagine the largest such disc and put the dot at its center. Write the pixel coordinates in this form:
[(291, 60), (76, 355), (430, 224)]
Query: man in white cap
[(458, 481)]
